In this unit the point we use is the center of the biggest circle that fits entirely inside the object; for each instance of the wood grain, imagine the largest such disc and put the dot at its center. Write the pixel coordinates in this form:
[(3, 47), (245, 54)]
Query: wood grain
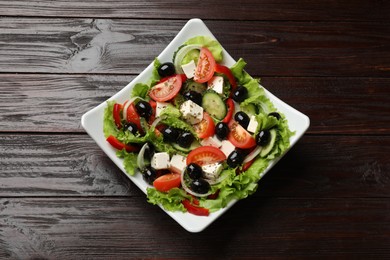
[(123, 228), (73, 165), (332, 10), (55, 102), (45, 45)]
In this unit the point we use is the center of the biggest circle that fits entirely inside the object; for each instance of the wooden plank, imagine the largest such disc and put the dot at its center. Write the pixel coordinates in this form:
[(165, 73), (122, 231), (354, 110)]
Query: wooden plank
[(123, 228), (45, 45), (233, 10), (55, 103), (73, 165)]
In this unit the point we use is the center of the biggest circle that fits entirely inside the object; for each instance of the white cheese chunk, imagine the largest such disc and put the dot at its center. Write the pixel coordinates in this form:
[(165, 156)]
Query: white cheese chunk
[(216, 84), (189, 69), (192, 112), (227, 147), (252, 126), (212, 171), (211, 141), (160, 161), (160, 106), (178, 163)]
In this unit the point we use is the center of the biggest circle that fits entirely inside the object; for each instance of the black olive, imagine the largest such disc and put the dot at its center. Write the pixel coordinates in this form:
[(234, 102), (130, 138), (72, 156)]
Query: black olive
[(235, 158), (149, 174), (221, 130), (263, 138), (240, 94), (144, 109), (194, 171), (170, 134), (200, 186), (166, 69), (193, 96), (185, 139), (130, 126), (242, 118), (275, 114)]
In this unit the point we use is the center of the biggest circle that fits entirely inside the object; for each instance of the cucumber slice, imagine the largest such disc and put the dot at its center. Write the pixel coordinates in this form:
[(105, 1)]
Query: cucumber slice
[(195, 144), (268, 148), (213, 104), (250, 109), (195, 86)]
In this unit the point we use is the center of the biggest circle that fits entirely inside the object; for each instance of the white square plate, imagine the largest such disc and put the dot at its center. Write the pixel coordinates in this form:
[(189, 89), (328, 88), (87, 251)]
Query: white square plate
[(92, 121)]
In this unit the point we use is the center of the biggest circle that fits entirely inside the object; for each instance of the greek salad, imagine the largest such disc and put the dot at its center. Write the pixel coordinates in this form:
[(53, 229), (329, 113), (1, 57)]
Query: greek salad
[(200, 133)]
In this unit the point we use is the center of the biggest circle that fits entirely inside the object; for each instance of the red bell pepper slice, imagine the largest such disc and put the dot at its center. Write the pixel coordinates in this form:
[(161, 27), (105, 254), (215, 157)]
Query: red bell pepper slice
[(225, 70), (193, 209), (116, 113), (229, 115), (119, 145)]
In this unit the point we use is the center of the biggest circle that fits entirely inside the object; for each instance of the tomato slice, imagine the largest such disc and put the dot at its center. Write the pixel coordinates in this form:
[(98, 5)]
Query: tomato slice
[(227, 72), (116, 112), (229, 115), (132, 116), (119, 145), (205, 155), (183, 78), (239, 137), (196, 210), (167, 89), (206, 127), (167, 181), (205, 67)]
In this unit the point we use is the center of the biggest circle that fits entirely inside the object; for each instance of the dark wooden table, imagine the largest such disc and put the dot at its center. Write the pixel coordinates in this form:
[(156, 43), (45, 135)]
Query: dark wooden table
[(62, 198)]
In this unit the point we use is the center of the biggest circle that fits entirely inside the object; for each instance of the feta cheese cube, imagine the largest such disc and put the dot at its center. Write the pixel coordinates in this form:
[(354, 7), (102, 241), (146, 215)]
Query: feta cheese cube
[(216, 84), (160, 161), (160, 106), (189, 69), (211, 141), (252, 126), (192, 112), (212, 171), (227, 147), (178, 163)]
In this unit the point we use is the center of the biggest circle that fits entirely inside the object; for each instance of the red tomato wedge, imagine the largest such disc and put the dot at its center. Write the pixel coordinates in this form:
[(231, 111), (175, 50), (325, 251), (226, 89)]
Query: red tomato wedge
[(206, 127), (116, 113), (132, 116), (239, 137), (167, 181), (167, 89), (153, 104), (205, 155), (206, 66), (226, 71), (119, 145), (229, 115), (196, 210)]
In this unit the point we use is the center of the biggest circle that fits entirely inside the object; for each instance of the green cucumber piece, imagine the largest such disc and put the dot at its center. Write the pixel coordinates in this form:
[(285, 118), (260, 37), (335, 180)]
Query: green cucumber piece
[(213, 104), (195, 86), (268, 148), (195, 144)]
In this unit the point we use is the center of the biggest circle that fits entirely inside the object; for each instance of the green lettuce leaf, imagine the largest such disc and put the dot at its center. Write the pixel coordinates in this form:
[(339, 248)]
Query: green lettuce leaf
[(129, 161), (239, 187), (109, 127), (214, 47), (140, 90), (170, 200)]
